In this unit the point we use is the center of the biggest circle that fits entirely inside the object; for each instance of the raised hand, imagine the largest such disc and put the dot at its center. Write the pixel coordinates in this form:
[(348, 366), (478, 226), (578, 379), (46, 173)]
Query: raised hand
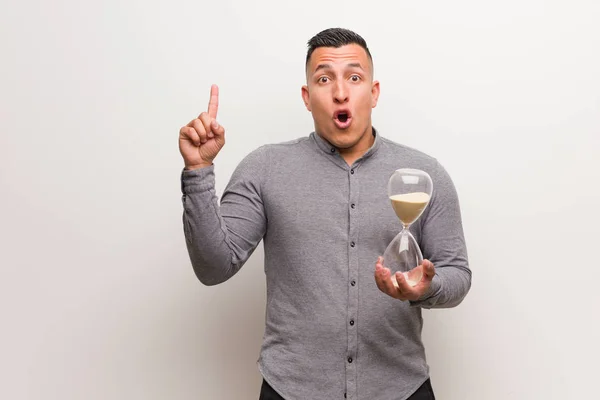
[(202, 138)]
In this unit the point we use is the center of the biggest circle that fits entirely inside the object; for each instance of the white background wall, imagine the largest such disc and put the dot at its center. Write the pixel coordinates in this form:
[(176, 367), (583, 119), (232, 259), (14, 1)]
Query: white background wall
[(97, 296)]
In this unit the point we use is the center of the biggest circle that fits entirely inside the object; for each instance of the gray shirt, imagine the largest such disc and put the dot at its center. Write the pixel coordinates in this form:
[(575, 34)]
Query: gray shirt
[(330, 332)]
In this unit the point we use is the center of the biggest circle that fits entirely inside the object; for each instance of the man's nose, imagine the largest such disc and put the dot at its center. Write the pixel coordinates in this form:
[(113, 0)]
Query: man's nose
[(340, 93)]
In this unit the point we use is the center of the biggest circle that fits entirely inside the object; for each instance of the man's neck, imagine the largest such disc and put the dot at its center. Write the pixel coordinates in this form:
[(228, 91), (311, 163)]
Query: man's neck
[(357, 151)]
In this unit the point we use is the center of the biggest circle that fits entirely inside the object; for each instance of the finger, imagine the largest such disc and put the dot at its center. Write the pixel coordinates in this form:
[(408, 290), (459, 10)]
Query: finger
[(188, 133), (403, 286), (388, 284), (380, 277), (379, 280), (414, 276), (199, 127), (428, 269), (207, 121), (384, 280), (213, 103), (217, 129)]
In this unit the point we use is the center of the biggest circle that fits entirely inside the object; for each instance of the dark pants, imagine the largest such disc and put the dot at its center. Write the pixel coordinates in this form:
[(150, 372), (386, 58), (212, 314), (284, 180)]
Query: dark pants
[(425, 392)]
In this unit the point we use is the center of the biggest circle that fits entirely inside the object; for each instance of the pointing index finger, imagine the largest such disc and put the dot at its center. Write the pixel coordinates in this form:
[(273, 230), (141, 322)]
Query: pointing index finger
[(213, 104)]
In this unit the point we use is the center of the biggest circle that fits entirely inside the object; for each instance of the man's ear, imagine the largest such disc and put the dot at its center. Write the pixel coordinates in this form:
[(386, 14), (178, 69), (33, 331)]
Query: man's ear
[(375, 94), (306, 97)]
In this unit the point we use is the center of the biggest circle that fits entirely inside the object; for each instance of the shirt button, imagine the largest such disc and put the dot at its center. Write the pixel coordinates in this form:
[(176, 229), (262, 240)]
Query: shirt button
[(352, 244), (352, 205), (350, 359), (353, 282), (332, 150), (352, 322), (352, 171)]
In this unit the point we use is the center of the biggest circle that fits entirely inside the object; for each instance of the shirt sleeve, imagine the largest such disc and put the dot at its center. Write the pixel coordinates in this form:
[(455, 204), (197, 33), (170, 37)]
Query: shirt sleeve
[(443, 243), (221, 237)]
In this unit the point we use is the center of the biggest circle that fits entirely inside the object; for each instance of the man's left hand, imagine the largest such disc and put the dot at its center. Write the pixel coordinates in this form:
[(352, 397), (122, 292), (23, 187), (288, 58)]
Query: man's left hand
[(404, 291)]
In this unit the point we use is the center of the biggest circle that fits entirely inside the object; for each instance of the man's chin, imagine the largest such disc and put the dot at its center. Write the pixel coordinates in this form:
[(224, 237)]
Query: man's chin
[(347, 137), (345, 143), (342, 139), (345, 146)]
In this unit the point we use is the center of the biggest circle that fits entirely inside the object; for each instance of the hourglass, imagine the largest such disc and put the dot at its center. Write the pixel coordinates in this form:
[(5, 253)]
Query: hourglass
[(409, 191)]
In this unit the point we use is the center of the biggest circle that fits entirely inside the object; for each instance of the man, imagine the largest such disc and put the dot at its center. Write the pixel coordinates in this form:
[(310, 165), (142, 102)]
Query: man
[(336, 325)]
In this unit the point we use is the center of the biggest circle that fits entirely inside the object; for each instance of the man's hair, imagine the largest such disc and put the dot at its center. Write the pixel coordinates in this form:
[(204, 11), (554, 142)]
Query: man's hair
[(335, 37)]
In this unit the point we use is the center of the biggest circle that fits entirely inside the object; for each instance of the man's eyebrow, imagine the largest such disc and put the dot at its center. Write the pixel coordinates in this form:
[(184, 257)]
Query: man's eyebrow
[(355, 65), (322, 66), (328, 66)]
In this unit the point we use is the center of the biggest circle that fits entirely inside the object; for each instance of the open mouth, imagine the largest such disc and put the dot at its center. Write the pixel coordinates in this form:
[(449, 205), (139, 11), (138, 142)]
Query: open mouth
[(342, 118)]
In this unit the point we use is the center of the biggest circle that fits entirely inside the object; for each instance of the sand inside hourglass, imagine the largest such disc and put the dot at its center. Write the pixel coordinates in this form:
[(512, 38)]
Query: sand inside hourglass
[(409, 206)]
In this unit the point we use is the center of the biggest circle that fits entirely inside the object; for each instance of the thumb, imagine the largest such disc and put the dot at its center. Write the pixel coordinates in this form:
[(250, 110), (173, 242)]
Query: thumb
[(428, 269), (218, 130)]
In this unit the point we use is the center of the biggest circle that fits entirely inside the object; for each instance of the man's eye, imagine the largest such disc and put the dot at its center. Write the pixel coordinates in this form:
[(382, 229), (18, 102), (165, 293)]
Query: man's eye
[(323, 79), (355, 78)]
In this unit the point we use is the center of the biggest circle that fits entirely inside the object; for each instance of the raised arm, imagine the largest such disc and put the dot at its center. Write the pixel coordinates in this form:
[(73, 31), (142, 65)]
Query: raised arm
[(219, 237)]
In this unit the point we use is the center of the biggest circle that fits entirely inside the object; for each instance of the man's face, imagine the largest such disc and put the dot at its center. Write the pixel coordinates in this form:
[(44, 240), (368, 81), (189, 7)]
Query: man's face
[(340, 93)]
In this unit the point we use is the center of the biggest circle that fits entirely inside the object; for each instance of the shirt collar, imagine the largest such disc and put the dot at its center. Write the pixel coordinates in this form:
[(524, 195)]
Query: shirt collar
[(328, 148)]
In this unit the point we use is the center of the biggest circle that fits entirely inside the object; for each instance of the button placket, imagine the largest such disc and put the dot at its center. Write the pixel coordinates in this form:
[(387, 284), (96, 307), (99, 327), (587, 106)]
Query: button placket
[(353, 253)]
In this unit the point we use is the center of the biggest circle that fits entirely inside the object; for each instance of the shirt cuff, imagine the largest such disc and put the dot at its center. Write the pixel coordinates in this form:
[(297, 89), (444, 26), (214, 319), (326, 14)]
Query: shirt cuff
[(197, 180)]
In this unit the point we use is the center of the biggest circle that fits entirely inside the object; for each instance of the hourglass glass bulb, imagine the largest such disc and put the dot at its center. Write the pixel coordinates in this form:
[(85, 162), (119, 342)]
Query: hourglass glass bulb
[(409, 191)]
